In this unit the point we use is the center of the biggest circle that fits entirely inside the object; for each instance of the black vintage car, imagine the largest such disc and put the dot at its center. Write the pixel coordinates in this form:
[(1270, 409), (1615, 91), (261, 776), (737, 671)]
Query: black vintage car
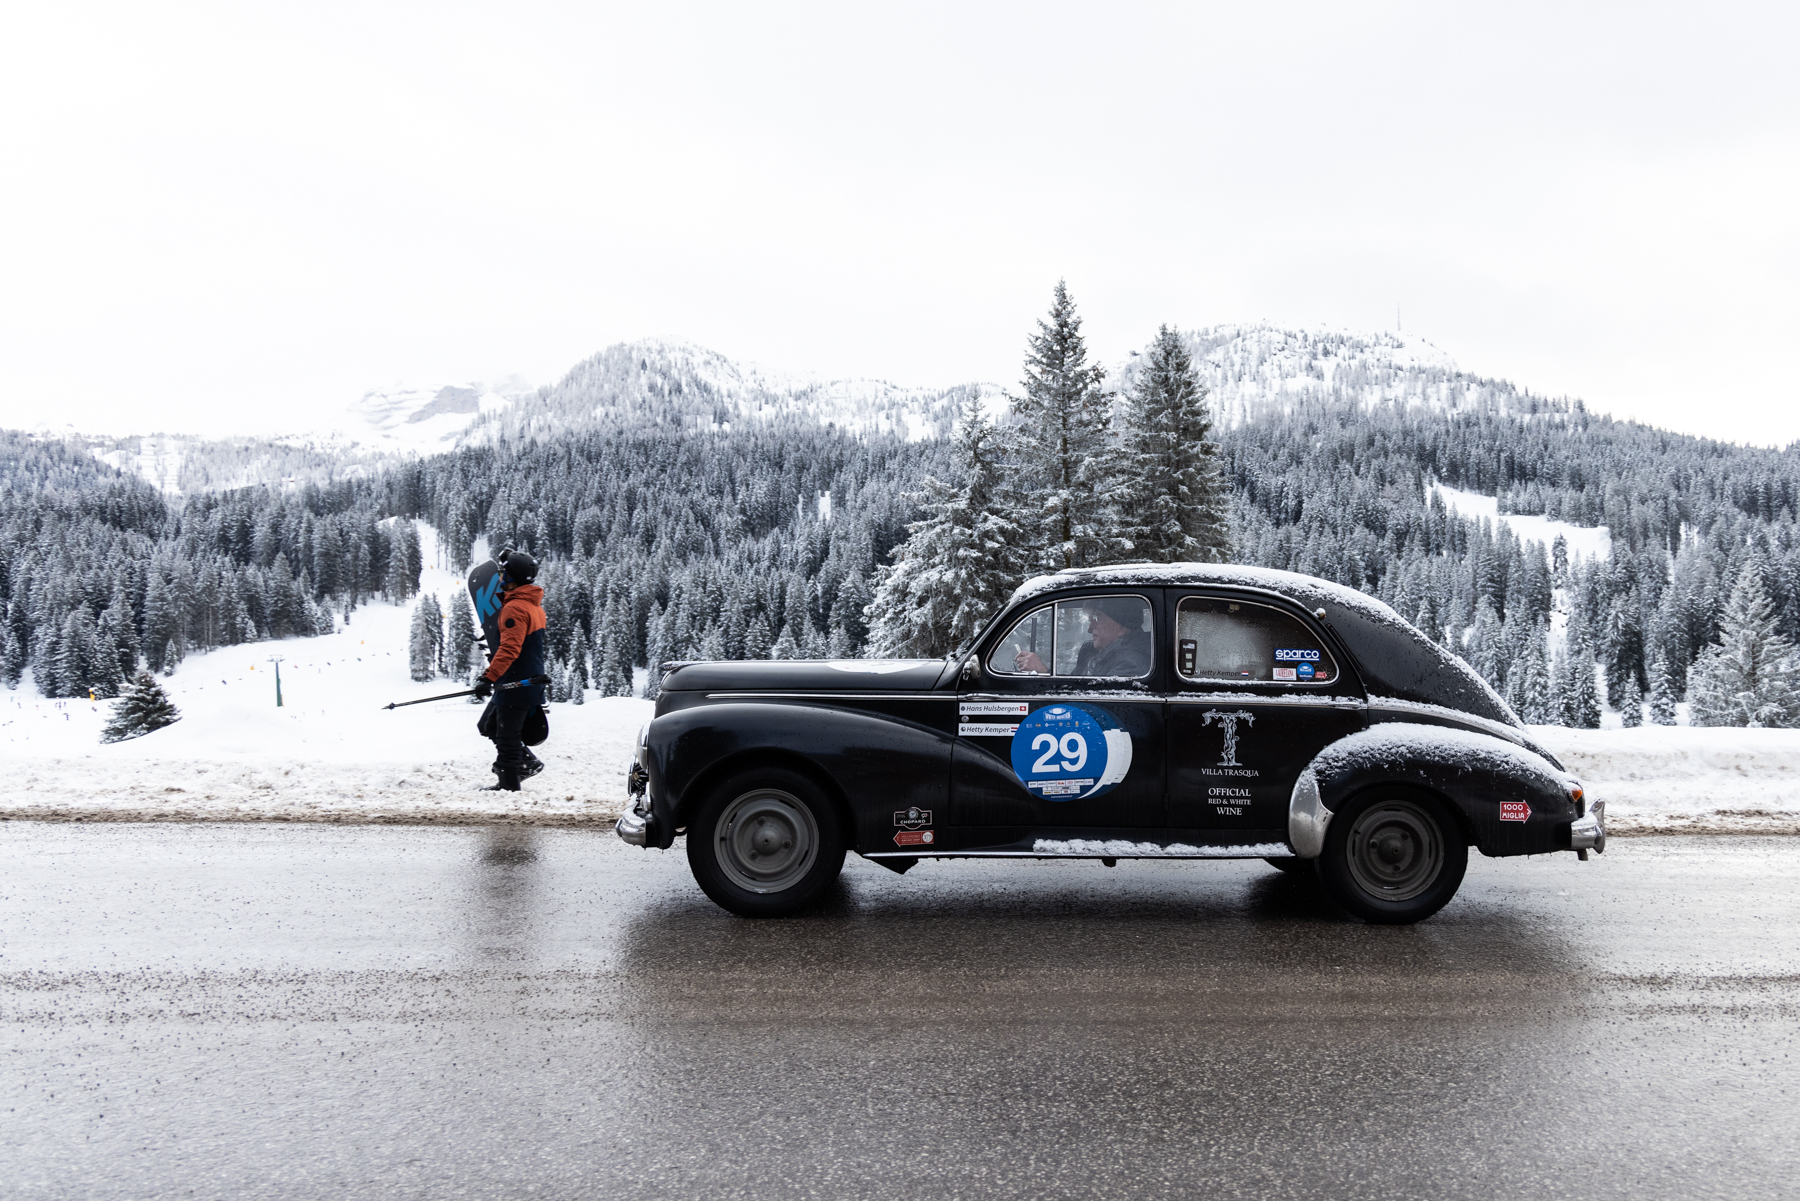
[(1182, 711)]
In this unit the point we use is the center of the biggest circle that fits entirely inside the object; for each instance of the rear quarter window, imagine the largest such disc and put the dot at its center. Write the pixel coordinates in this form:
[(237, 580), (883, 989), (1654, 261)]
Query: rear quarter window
[(1221, 640)]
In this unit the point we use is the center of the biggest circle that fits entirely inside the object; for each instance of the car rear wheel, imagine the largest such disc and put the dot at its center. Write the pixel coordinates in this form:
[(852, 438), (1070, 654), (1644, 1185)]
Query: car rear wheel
[(1393, 857), (765, 843)]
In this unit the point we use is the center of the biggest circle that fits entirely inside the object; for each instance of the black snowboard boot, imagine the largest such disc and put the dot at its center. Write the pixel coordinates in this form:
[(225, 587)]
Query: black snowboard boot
[(508, 780)]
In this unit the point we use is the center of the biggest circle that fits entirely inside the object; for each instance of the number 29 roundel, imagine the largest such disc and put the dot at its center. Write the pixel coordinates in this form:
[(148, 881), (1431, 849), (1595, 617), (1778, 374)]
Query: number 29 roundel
[(1070, 753)]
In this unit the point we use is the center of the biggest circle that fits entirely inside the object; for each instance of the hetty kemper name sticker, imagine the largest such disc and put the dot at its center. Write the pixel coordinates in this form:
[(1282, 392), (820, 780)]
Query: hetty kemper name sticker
[(1514, 811), (1015, 710), (1070, 752)]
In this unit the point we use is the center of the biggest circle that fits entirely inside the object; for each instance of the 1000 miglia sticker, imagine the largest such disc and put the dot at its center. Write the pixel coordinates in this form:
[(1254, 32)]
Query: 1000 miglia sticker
[(1070, 752)]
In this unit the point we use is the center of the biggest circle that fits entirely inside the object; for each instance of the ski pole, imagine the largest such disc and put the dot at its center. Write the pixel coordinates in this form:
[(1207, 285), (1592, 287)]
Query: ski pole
[(525, 683)]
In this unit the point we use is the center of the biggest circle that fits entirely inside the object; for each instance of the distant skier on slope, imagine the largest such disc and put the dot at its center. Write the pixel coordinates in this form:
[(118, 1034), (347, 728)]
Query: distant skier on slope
[(519, 655)]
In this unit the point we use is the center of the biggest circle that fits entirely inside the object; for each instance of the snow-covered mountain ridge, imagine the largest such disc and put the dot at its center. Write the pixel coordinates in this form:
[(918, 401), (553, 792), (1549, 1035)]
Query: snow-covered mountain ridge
[(681, 385)]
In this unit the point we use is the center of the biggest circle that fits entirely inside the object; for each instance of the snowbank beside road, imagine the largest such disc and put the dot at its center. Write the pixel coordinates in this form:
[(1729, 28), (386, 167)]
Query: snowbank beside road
[(1683, 780)]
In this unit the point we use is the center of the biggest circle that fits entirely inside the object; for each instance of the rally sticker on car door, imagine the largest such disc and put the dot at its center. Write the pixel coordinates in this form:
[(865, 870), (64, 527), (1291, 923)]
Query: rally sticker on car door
[(1070, 752)]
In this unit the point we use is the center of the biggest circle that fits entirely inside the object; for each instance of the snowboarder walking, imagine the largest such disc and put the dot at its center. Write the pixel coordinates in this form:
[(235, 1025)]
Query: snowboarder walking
[(519, 656)]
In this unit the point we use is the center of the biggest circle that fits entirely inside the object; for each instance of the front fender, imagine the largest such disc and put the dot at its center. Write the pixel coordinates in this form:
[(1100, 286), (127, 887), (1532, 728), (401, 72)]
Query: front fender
[(876, 763), (1474, 772)]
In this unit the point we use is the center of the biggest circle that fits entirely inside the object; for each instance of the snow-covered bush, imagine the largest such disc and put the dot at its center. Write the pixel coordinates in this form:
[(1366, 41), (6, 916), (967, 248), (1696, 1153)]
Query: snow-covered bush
[(143, 707)]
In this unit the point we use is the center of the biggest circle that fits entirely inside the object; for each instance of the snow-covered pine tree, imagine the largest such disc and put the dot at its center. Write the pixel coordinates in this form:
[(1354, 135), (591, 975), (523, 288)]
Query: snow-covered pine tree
[(1581, 693), (1530, 683), (141, 708), (1629, 701), (1749, 676), (757, 639), (1662, 693), (578, 663), (958, 563), (459, 637), (615, 674), (425, 638), (1057, 443), (172, 655), (1169, 491)]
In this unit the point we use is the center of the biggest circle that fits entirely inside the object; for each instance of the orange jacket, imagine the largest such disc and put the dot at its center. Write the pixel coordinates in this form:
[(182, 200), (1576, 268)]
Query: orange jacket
[(521, 616)]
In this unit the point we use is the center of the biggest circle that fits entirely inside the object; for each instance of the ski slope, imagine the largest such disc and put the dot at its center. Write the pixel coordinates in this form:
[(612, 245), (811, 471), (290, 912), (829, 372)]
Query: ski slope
[(329, 753)]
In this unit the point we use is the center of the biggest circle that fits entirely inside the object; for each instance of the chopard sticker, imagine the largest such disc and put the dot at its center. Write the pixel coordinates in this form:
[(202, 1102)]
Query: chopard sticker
[(1296, 656), (915, 838), (993, 708), (1514, 811), (1070, 752), (912, 818), (1285, 673), (987, 729)]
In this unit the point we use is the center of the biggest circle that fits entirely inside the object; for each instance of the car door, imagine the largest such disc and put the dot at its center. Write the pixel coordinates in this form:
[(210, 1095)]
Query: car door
[(1060, 720), (1256, 690)]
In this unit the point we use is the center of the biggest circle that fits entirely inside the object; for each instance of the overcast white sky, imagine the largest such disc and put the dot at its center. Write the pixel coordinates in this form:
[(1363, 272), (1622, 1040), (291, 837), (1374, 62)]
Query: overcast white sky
[(233, 217)]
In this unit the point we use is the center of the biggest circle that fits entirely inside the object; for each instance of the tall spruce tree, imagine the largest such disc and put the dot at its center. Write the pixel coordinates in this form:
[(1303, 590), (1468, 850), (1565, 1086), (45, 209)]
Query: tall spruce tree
[(1749, 677), (958, 563), (1058, 447), (1170, 493)]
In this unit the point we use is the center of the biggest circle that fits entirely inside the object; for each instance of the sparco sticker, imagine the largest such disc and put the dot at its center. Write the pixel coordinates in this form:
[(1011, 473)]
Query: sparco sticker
[(1070, 752)]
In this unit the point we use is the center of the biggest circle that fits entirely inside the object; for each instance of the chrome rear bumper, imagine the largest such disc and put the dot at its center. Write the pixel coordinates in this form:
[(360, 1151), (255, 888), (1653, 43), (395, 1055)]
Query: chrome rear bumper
[(634, 825), (1588, 833)]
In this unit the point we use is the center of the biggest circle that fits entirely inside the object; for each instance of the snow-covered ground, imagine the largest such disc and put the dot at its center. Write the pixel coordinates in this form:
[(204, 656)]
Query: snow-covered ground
[(1585, 542), (330, 753), (1684, 780)]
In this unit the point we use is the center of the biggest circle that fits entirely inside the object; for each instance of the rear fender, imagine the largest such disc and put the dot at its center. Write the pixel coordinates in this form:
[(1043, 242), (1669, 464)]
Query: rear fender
[(1474, 772), (876, 764)]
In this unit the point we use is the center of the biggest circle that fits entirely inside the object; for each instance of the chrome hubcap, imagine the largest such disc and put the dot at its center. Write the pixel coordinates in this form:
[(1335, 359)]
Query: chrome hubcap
[(767, 841)]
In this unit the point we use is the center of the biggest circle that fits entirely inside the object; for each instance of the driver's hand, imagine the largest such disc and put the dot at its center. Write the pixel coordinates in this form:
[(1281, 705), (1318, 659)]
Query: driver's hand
[(1028, 661)]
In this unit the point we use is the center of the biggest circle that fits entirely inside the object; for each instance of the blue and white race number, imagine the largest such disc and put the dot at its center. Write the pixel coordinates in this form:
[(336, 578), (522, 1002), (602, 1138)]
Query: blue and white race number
[(1070, 752)]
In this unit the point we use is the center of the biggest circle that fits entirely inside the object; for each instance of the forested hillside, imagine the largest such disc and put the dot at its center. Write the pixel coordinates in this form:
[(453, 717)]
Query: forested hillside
[(682, 516)]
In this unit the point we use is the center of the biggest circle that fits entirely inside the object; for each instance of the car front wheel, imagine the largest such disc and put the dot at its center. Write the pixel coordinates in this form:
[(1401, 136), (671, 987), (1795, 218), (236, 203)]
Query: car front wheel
[(1393, 857), (766, 843)]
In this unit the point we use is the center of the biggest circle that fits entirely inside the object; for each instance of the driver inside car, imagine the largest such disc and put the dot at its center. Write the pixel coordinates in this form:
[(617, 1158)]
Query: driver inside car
[(1117, 643)]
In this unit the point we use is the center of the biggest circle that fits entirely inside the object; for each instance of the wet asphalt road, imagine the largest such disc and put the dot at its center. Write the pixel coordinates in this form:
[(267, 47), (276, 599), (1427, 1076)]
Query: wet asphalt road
[(305, 1011)]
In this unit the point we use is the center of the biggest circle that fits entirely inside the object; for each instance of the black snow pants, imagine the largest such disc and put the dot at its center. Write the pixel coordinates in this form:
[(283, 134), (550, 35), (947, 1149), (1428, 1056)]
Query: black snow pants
[(511, 756)]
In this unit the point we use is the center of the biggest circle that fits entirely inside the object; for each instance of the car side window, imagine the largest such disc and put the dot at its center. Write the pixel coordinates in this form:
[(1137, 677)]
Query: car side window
[(1095, 637), (1241, 642)]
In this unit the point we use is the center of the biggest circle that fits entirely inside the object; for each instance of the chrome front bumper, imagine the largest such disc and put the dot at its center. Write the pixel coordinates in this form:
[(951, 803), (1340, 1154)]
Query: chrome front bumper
[(1588, 833)]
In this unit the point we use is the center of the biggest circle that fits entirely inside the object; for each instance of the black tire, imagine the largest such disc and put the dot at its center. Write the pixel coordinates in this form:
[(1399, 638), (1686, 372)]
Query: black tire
[(765, 843), (1293, 865), (1393, 856)]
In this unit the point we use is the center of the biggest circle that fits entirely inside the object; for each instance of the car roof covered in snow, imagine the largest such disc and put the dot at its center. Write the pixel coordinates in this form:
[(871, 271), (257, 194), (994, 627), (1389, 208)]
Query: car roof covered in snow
[(1393, 657)]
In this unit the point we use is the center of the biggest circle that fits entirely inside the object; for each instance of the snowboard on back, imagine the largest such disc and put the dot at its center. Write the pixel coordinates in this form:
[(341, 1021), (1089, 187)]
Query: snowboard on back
[(485, 584)]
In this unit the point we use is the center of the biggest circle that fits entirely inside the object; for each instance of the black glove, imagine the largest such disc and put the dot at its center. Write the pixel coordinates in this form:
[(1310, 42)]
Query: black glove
[(484, 688)]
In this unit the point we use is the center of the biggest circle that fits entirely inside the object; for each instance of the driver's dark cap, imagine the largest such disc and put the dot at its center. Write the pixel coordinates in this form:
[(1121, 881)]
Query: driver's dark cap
[(1122, 609)]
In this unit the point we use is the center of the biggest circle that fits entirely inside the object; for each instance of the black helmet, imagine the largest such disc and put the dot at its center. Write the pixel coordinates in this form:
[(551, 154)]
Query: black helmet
[(520, 568)]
